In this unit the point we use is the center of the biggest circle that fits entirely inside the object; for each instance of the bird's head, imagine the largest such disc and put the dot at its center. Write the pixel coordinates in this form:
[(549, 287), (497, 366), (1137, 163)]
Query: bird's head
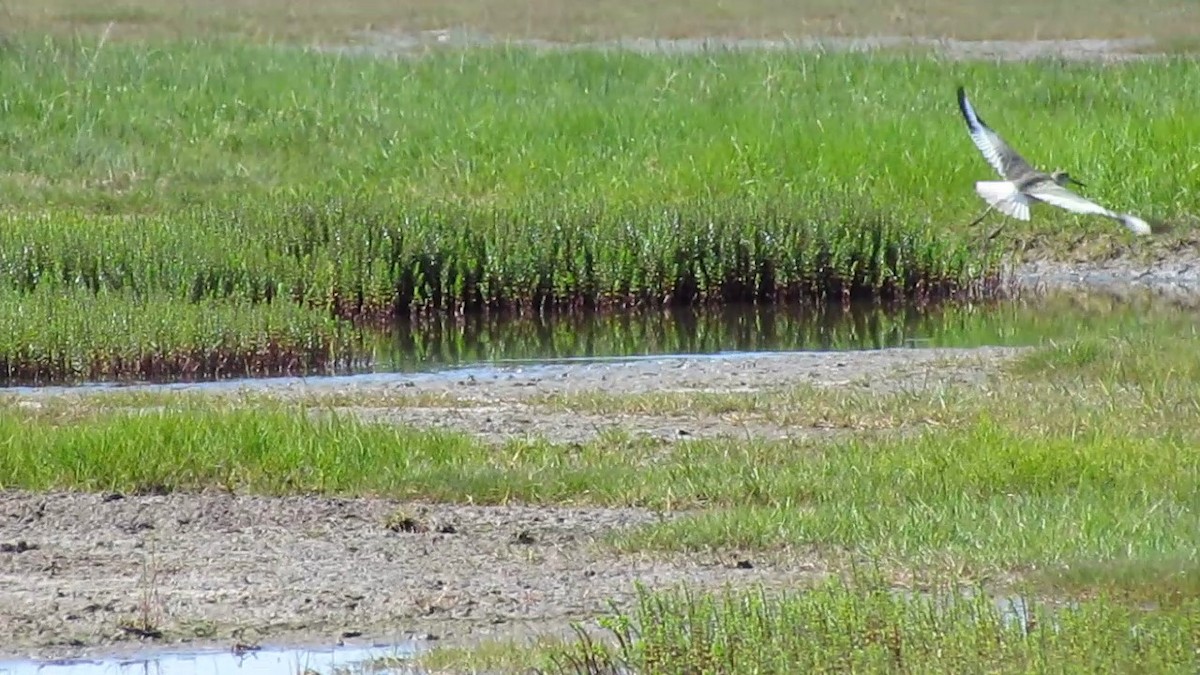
[(1063, 178)]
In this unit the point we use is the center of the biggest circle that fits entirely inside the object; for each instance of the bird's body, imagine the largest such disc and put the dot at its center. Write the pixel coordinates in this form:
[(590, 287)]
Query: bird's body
[(1022, 184)]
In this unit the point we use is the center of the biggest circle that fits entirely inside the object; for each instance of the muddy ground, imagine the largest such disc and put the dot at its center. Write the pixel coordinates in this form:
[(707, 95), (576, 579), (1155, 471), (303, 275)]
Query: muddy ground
[(85, 573), (376, 43), (86, 570)]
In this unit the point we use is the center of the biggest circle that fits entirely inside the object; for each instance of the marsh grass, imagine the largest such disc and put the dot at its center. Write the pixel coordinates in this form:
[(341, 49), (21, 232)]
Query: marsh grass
[(867, 627), (268, 450), (1003, 487), (362, 261), (1074, 470), (73, 335), (980, 500), (216, 120), (375, 188)]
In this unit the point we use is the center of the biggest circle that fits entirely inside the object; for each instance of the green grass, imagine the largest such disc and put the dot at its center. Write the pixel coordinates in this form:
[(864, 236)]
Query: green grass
[(134, 127), (864, 627), (197, 445), (983, 498), (368, 262)]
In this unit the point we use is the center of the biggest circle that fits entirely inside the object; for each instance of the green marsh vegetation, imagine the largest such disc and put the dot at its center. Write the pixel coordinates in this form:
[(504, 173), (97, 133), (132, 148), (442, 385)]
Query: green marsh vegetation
[(1067, 483), (206, 207), (491, 179), (1068, 478), (864, 627), (1075, 464), (76, 335)]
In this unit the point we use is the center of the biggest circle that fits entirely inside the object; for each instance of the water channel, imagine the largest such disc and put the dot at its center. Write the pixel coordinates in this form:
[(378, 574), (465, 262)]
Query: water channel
[(341, 660), (482, 347)]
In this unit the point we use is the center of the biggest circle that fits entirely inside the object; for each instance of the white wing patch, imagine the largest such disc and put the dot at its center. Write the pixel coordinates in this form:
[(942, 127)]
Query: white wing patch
[(1003, 196), (1015, 208), (1057, 195)]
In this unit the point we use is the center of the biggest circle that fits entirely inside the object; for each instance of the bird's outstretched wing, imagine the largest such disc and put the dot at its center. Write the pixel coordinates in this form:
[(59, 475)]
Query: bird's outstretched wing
[(1003, 158), (1057, 195)]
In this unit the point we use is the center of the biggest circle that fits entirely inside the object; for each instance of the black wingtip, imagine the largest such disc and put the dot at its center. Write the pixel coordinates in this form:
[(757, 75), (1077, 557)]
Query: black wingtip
[(967, 111)]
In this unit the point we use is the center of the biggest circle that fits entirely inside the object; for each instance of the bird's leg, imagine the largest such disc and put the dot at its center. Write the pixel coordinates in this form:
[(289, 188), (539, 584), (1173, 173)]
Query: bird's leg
[(982, 215), (989, 209)]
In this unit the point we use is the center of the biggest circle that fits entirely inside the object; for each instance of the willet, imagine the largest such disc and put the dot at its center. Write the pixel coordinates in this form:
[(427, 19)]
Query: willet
[(1022, 183)]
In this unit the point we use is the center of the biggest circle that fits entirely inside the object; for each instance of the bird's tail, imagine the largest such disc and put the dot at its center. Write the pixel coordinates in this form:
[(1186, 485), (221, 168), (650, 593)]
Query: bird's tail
[(1004, 197)]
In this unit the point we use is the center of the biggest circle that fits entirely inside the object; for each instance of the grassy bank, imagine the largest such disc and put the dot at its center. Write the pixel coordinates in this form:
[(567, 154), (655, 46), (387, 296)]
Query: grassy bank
[(73, 335), (501, 179)]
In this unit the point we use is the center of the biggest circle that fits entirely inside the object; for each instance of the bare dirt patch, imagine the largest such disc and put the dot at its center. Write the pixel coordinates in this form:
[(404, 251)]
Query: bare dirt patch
[(389, 43), (78, 570), (500, 423), (1174, 276)]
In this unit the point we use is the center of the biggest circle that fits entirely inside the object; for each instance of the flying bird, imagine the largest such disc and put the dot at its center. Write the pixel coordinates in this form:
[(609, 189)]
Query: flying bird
[(1022, 184)]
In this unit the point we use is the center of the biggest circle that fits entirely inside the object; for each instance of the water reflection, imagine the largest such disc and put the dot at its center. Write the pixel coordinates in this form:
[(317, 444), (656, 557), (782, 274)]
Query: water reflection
[(440, 342), (379, 660)]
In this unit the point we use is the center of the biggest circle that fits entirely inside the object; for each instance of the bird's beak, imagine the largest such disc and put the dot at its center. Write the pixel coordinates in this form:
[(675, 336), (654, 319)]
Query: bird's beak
[(1080, 184)]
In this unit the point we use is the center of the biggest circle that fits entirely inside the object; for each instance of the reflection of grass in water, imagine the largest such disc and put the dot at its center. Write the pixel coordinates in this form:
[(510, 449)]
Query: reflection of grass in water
[(860, 626), (748, 328)]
